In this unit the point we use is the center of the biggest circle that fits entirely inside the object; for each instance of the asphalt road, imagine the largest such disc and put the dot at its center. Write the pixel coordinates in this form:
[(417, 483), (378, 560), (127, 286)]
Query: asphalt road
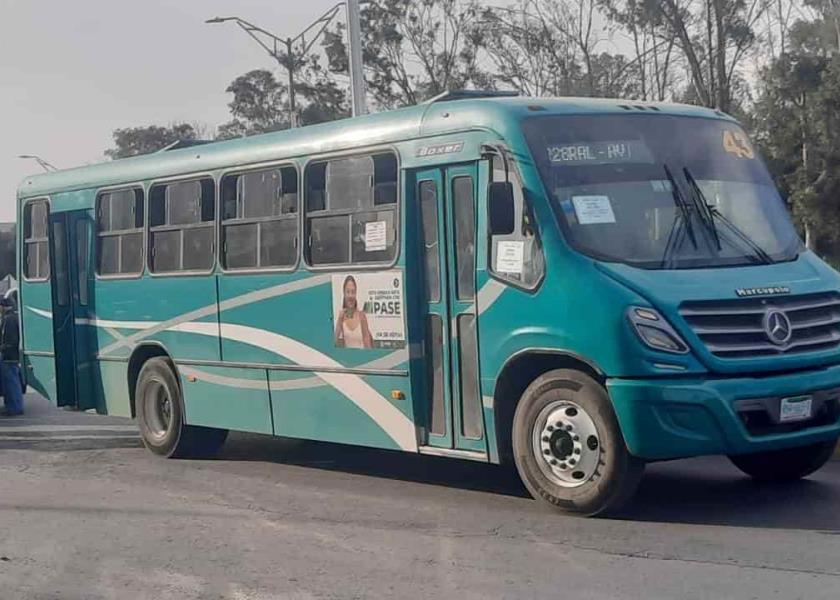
[(86, 512)]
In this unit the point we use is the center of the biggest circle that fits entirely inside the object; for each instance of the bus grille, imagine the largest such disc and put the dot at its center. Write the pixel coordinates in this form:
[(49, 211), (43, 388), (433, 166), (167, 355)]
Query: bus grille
[(736, 328)]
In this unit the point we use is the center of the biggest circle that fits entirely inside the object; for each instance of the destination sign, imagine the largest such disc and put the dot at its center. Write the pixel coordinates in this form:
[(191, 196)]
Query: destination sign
[(620, 151)]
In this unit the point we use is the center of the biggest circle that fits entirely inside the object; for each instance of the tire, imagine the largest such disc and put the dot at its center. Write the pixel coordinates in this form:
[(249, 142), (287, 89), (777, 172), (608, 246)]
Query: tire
[(160, 415), (593, 472), (785, 465)]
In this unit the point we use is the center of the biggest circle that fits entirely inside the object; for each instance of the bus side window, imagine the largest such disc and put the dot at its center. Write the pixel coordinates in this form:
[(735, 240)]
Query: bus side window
[(515, 252), (351, 210), (259, 219), (36, 250), (182, 226), (119, 232)]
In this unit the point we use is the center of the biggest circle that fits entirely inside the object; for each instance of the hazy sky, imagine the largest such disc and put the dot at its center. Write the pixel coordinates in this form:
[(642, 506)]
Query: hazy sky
[(72, 71)]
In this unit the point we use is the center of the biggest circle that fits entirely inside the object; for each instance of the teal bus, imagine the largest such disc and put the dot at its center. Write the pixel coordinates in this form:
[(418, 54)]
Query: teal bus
[(572, 286)]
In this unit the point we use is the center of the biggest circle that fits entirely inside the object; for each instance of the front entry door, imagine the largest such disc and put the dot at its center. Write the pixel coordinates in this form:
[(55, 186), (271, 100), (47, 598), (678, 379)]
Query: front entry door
[(446, 199), (71, 243)]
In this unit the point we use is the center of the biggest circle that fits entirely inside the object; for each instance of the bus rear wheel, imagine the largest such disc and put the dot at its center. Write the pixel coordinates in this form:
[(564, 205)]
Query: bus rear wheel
[(160, 417), (785, 465), (568, 446)]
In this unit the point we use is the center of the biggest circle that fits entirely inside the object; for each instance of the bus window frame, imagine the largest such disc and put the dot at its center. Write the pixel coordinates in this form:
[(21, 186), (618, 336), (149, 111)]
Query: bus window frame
[(398, 211), (148, 224), (515, 177), (239, 170), (121, 188), (47, 239)]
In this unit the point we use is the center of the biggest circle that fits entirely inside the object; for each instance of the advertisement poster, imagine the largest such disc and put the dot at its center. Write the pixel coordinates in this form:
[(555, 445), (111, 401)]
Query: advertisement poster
[(368, 310)]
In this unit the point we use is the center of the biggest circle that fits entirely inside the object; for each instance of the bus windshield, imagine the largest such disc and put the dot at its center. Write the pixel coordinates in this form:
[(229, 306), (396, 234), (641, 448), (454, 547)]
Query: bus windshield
[(661, 192)]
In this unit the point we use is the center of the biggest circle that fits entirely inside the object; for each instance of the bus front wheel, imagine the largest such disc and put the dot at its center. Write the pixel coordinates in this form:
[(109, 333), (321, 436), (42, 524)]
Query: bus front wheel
[(785, 465), (159, 409), (568, 446)]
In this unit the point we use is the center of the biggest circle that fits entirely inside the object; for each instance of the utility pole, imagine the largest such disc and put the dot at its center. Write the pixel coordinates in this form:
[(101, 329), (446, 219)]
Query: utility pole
[(357, 75), (289, 58)]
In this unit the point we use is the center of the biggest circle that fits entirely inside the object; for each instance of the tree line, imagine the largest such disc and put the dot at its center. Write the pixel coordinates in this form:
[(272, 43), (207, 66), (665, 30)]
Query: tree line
[(773, 64)]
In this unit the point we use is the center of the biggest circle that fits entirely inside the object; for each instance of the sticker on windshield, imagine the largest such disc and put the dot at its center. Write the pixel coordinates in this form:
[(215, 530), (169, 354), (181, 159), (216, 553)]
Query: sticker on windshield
[(736, 143), (592, 210)]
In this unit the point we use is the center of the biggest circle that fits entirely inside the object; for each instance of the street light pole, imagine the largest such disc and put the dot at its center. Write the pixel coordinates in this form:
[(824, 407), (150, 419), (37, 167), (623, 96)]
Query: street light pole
[(271, 44), (291, 68), (357, 75)]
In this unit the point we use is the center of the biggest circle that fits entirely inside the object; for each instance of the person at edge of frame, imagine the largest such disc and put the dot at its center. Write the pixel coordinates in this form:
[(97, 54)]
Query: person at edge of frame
[(10, 359)]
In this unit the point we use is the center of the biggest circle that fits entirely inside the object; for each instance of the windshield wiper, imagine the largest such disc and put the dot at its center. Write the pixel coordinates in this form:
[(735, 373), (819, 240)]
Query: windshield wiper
[(759, 253), (681, 223), (704, 209), (712, 212)]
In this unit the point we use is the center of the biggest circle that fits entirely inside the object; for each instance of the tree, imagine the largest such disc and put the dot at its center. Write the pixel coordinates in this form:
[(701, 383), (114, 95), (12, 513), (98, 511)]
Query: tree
[(324, 99), (527, 54), (261, 103), (413, 49), (654, 56), (132, 141), (556, 48), (829, 12), (7, 250), (796, 120), (715, 37), (575, 22), (258, 105), (614, 76), (778, 18)]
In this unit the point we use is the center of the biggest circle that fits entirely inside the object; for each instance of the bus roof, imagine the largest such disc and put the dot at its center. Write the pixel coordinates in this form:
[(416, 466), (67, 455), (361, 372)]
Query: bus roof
[(436, 117)]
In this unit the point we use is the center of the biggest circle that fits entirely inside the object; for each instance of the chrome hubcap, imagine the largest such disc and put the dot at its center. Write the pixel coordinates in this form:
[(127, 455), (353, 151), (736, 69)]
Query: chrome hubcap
[(566, 444), (158, 406)]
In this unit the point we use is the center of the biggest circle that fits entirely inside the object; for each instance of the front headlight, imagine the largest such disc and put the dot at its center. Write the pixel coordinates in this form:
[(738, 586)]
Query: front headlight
[(654, 331)]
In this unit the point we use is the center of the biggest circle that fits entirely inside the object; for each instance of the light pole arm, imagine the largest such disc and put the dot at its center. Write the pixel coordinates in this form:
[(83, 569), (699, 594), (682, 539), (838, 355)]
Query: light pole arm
[(41, 162), (291, 59), (323, 21), (267, 40), (273, 43)]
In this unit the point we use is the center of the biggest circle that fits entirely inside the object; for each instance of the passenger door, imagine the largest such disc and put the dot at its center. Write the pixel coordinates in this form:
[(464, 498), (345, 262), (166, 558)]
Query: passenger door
[(446, 200), (71, 238)]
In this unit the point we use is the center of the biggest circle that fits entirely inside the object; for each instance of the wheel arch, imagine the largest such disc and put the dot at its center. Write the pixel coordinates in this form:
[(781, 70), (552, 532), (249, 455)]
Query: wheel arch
[(139, 356), (517, 373)]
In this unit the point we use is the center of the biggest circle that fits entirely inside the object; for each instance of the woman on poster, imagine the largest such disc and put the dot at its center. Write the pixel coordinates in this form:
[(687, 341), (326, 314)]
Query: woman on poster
[(351, 330)]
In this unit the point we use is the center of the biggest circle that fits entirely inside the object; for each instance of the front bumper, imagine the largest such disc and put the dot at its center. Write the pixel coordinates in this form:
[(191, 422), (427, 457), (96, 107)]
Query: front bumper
[(675, 418)]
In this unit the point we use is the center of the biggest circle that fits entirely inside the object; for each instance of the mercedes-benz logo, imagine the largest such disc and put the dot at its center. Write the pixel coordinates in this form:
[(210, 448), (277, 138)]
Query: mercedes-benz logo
[(777, 327)]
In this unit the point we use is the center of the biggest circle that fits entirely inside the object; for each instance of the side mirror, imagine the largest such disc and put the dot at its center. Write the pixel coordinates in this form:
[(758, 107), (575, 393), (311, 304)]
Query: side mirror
[(501, 210)]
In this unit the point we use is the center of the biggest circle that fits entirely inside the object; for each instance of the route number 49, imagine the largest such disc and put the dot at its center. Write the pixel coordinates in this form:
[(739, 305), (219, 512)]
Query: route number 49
[(735, 142)]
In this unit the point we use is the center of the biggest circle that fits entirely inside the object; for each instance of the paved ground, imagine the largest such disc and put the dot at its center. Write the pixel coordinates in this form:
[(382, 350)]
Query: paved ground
[(85, 512)]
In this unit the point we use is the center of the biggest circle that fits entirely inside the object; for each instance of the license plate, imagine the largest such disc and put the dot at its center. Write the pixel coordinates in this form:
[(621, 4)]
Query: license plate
[(797, 408)]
